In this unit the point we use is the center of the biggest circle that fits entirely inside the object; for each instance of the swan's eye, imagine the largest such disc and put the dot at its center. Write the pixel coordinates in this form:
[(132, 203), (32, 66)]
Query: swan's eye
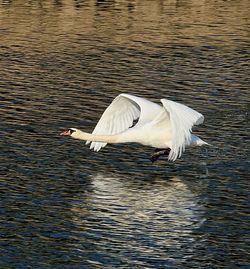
[(71, 131)]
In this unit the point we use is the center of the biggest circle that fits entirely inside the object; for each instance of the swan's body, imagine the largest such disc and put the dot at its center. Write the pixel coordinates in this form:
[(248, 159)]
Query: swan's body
[(163, 127)]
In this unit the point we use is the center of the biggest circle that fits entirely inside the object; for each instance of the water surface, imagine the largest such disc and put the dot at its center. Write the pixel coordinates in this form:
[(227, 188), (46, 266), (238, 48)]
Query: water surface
[(64, 206)]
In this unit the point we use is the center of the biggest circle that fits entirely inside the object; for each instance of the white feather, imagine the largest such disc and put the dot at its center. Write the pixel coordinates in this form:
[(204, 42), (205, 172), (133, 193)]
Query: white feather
[(120, 115), (182, 119)]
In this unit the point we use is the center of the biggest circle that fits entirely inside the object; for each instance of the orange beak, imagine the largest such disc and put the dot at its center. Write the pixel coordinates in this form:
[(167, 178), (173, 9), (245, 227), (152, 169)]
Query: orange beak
[(66, 133)]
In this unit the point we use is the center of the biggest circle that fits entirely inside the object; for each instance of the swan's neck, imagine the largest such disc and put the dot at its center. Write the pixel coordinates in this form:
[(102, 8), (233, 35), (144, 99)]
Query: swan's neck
[(111, 139)]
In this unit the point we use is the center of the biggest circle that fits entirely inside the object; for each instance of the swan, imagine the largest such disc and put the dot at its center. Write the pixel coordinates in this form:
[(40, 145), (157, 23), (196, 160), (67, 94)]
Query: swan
[(166, 127)]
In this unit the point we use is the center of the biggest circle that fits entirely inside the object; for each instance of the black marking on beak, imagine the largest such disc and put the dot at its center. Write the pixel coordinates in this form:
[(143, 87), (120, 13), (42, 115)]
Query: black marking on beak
[(71, 131)]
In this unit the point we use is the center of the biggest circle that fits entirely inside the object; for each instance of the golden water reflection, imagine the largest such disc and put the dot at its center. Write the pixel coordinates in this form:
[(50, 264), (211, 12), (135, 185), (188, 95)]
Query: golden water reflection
[(126, 22)]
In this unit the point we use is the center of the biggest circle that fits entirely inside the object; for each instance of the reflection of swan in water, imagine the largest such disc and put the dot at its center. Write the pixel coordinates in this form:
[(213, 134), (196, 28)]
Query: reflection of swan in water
[(140, 218), (172, 198)]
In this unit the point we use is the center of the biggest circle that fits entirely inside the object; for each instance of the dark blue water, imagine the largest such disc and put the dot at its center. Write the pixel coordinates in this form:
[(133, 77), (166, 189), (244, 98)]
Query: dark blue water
[(65, 206)]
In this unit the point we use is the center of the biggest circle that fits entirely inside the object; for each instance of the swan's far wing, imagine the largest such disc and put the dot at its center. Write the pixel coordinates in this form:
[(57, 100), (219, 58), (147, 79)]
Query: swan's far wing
[(182, 119), (117, 117), (149, 110)]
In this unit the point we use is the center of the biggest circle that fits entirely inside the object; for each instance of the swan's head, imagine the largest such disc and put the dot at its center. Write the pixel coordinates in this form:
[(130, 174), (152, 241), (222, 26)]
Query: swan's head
[(69, 132)]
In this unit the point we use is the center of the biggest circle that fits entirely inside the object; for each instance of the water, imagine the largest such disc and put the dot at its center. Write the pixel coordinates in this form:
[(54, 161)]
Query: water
[(64, 206)]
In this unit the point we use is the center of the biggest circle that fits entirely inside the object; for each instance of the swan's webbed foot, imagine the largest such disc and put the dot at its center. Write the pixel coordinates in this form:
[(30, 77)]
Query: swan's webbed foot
[(159, 152)]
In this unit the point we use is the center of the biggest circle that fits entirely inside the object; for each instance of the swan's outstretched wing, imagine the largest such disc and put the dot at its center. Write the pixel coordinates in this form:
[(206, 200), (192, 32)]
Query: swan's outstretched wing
[(120, 115), (182, 119)]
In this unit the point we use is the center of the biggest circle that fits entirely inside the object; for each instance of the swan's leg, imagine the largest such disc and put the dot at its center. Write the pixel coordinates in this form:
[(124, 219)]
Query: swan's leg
[(159, 152)]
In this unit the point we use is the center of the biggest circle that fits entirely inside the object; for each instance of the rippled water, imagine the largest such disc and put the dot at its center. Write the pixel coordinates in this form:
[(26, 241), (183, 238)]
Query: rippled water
[(64, 206)]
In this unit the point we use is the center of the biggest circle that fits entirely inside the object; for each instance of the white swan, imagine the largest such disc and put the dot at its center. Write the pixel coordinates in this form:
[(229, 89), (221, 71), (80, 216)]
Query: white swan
[(166, 128)]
